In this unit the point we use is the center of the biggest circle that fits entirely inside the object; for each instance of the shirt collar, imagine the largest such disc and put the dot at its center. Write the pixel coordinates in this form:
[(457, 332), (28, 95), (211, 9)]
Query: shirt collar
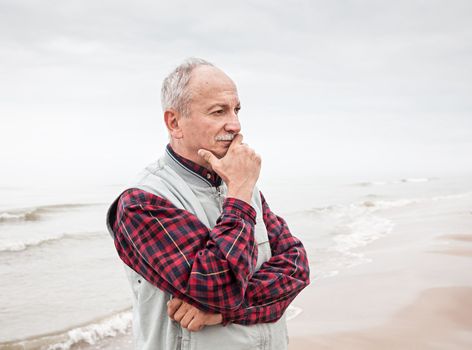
[(209, 176)]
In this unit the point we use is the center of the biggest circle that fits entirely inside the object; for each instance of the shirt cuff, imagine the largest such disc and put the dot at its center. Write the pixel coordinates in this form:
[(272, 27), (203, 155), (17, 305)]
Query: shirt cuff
[(240, 208), (230, 317)]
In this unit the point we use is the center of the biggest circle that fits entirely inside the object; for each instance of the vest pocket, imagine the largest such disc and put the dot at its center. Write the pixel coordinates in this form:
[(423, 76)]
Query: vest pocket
[(145, 290)]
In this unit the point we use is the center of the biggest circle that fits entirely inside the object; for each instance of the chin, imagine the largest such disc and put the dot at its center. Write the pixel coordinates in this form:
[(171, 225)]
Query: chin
[(220, 153)]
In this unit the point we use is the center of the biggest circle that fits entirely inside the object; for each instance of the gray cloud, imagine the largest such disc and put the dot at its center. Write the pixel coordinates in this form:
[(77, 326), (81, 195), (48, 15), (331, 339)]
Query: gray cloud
[(364, 77)]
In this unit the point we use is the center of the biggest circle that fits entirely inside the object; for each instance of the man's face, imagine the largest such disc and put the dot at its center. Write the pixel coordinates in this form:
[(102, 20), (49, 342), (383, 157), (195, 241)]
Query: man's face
[(213, 112)]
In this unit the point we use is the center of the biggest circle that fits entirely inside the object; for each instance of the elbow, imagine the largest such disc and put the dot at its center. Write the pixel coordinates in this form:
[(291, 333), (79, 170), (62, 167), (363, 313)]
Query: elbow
[(305, 277), (304, 268)]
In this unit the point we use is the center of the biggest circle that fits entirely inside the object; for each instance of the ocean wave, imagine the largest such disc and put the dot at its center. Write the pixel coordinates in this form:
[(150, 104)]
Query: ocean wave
[(397, 203), (385, 204), (360, 232), (394, 182), (119, 323), (380, 204), (93, 333), (340, 210), (15, 246), (35, 213), (292, 312), (451, 196), (418, 179), (353, 226)]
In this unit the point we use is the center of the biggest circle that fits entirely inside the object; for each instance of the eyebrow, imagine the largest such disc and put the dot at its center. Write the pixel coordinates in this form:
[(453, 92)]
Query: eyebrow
[(216, 105), (221, 105)]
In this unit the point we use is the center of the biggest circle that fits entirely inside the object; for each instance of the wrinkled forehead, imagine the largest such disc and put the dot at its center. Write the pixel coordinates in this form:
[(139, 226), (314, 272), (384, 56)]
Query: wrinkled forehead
[(207, 81)]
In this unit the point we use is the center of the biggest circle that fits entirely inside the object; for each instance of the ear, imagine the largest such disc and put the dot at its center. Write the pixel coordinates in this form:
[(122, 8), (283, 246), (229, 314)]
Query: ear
[(172, 119)]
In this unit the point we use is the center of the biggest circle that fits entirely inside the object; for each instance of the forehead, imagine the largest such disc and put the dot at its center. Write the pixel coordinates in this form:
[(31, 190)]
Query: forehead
[(211, 84)]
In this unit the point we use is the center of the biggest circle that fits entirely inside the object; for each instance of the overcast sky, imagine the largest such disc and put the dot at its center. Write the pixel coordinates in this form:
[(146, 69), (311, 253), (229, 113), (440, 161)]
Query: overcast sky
[(371, 88)]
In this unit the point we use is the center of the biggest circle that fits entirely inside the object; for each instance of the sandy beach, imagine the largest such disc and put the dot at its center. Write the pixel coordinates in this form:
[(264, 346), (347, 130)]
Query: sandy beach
[(414, 294), (389, 270)]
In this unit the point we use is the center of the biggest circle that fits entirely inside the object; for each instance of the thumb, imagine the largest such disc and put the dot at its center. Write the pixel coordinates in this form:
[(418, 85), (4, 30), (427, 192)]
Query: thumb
[(237, 140), (207, 156)]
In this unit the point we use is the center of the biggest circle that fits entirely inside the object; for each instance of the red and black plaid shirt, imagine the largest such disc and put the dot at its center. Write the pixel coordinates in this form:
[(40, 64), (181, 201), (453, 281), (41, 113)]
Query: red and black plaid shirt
[(212, 270)]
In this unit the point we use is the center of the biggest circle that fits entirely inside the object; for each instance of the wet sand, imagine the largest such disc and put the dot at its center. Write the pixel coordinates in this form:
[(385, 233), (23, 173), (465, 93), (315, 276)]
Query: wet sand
[(422, 300), (439, 318), (416, 293)]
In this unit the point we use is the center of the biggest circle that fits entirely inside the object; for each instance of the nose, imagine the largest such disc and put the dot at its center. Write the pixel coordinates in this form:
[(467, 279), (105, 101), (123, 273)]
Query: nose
[(233, 125)]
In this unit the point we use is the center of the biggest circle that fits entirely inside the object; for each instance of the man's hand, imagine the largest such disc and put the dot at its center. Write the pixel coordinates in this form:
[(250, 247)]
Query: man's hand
[(239, 168), (190, 317)]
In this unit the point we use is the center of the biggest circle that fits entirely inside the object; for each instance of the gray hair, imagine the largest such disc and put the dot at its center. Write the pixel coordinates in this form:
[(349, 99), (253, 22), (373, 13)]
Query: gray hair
[(174, 92)]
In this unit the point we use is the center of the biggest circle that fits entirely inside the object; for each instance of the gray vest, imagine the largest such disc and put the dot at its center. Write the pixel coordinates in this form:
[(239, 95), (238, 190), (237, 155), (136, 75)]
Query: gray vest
[(152, 328)]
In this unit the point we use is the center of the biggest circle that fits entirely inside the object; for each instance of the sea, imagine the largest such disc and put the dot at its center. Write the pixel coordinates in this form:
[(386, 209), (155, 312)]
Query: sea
[(63, 285)]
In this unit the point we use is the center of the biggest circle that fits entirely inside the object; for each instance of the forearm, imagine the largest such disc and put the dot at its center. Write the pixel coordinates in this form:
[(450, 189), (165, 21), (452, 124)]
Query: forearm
[(272, 288), (175, 252), (279, 280)]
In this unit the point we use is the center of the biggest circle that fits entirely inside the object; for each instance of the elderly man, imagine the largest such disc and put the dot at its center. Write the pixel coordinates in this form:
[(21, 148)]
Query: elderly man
[(210, 265)]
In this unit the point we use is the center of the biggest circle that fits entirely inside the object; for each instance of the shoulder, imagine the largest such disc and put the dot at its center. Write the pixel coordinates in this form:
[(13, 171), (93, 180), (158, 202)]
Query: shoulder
[(135, 196)]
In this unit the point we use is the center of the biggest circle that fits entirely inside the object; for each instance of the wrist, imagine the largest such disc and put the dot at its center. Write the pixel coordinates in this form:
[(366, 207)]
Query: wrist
[(241, 193), (236, 207)]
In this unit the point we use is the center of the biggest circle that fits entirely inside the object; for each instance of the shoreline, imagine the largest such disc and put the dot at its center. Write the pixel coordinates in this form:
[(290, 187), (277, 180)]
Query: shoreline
[(437, 318), (415, 294)]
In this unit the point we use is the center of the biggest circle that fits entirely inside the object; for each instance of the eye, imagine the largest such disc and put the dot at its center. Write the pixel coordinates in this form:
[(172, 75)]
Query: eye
[(237, 109), (218, 112)]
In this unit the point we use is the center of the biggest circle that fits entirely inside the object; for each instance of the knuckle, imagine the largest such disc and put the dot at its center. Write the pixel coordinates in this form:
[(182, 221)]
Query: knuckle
[(194, 327)]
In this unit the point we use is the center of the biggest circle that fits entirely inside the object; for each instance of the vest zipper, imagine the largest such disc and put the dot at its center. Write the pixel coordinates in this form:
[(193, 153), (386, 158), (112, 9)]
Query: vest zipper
[(220, 196)]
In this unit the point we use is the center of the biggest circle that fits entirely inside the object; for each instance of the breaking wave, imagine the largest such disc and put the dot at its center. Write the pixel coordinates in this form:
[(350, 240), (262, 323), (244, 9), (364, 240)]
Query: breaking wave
[(399, 181), (36, 213), (92, 333), (15, 246)]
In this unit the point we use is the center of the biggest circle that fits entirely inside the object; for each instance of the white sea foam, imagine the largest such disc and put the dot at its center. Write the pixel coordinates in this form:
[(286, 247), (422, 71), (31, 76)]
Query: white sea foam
[(452, 196), (388, 204), (35, 213), (293, 311), (351, 227), (15, 246), (20, 215), (93, 333), (360, 232), (383, 204), (356, 225), (420, 179), (393, 182)]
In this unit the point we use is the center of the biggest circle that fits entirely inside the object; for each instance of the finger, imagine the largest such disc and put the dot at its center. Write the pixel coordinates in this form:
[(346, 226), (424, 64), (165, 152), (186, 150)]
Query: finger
[(195, 325), (188, 317), (180, 313), (207, 156), (172, 306), (213, 319), (237, 140)]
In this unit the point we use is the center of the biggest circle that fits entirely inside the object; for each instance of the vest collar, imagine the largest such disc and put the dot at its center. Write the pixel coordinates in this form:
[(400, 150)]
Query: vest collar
[(190, 170)]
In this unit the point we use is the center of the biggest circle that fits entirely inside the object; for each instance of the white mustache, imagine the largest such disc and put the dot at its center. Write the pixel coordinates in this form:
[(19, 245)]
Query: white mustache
[(227, 137)]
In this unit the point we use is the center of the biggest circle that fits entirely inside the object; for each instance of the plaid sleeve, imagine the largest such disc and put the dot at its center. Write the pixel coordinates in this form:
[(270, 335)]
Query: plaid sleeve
[(177, 253), (279, 280)]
